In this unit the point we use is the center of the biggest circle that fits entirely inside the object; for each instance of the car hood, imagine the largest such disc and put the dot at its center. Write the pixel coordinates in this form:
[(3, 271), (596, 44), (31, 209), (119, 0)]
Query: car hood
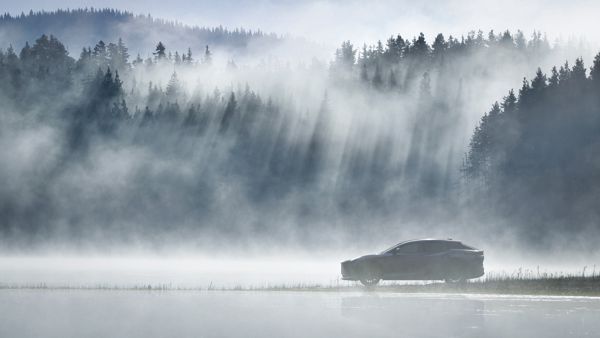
[(360, 259), (364, 258)]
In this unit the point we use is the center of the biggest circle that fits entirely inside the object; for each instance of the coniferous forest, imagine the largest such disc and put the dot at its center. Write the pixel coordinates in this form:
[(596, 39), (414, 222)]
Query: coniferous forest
[(154, 143), (107, 24), (534, 155)]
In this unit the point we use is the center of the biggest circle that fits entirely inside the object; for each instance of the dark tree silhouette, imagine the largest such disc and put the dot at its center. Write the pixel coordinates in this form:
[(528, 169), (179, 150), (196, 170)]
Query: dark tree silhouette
[(535, 148), (159, 52)]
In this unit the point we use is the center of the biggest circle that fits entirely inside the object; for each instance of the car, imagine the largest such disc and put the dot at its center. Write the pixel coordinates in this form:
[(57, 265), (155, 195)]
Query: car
[(423, 259)]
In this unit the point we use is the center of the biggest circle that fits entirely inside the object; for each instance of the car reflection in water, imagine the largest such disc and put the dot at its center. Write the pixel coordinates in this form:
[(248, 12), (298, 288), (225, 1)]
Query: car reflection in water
[(415, 315)]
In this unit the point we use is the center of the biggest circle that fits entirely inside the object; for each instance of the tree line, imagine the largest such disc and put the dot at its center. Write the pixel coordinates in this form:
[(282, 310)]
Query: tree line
[(397, 63), (224, 136), (263, 150), (533, 156), (107, 23)]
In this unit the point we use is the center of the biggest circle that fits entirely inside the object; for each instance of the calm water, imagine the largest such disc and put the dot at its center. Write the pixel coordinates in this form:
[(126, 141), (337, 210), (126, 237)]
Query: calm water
[(92, 313)]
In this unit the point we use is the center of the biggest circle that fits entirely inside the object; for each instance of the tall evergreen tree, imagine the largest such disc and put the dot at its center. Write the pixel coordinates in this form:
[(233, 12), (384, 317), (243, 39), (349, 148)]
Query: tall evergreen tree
[(346, 56), (189, 59), (439, 45), (174, 87), (578, 73), (159, 52), (207, 60)]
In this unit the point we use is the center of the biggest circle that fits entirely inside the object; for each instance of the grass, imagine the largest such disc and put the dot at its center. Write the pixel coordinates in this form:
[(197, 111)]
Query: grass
[(520, 282)]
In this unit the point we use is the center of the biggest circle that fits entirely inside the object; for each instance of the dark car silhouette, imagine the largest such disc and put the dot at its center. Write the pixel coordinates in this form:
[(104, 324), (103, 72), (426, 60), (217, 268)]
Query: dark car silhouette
[(425, 259)]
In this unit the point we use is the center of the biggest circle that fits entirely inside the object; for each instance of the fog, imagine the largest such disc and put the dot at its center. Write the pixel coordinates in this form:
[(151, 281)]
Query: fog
[(305, 165), (332, 21)]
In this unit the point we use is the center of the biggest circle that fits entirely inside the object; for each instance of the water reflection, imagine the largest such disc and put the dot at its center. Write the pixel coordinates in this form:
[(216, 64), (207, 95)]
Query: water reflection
[(417, 315)]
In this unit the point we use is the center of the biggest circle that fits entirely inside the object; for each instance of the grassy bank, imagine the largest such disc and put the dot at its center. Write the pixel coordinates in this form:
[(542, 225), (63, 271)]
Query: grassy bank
[(516, 283)]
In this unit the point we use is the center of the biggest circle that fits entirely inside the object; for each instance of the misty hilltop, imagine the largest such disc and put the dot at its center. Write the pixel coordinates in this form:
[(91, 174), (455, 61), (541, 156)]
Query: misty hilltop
[(79, 28)]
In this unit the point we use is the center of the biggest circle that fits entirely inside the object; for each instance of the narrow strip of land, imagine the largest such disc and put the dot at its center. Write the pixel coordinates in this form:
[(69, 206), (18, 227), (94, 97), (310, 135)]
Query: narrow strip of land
[(561, 286)]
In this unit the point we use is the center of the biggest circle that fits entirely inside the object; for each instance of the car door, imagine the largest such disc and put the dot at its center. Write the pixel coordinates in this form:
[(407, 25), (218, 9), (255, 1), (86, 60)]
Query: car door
[(433, 259), (404, 261)]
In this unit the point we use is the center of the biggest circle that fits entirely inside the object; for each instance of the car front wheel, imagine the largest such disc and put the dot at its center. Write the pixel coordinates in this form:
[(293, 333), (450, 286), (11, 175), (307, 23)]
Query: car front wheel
[(370, 281)]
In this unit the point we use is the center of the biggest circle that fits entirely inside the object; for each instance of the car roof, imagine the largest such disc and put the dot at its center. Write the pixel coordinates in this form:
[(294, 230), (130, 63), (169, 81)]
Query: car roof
[(419, 240)]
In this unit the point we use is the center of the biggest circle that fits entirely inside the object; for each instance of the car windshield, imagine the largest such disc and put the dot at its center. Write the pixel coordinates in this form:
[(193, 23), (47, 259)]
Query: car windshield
[(467, 247), (389, 250)]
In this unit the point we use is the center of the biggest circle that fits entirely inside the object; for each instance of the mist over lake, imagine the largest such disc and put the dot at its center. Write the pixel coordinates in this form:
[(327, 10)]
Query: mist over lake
[(344, 156)]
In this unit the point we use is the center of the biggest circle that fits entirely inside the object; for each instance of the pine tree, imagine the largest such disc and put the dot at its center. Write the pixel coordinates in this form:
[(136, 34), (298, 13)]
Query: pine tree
[(539, 82), (173, 87), (138, 61), (363, 56), (507, 40), (401, 45), (393, 53), (520, 41), (509, 104), (123, 54), (346, 56), (26, 52), (564, 74), (439, 45), (524, 94), (207, 60), (117, 85), (595, 71), (554, 79), (578, 72), (419, 49), (189, 59), (159, 52), (100, 54), (379, 50), (492, 39)]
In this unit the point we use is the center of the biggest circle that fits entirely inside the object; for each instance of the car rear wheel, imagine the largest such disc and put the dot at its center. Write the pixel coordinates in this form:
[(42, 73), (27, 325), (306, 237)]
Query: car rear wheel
[(454, 280), (370, 281)]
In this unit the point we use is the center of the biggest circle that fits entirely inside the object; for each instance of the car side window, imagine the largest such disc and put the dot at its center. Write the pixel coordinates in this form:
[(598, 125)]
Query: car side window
[(435, 247), (455, 245), (409, 248)]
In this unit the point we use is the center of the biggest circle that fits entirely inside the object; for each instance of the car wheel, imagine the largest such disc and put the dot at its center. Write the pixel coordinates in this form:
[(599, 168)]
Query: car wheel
[(454, 280), (370, 281)]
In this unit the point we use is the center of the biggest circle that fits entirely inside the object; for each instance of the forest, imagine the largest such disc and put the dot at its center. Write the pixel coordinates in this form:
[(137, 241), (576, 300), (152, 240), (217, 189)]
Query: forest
[(80, 27), (188, 142), (534, 155)]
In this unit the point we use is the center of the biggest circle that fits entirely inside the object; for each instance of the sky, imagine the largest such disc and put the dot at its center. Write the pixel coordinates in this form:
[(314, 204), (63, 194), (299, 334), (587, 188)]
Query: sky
[(331, 21)]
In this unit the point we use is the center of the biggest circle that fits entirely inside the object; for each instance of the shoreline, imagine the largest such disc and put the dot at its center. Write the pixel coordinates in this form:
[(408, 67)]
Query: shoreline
[(588, 286)]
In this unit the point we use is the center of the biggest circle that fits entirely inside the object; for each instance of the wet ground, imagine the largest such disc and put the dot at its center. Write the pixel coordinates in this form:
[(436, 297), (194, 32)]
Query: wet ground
[(125, 313)]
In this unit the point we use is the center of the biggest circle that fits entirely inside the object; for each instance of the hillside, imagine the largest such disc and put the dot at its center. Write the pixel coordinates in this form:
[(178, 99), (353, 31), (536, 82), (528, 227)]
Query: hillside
[(80, 28), (533, 158), (176, 144)]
